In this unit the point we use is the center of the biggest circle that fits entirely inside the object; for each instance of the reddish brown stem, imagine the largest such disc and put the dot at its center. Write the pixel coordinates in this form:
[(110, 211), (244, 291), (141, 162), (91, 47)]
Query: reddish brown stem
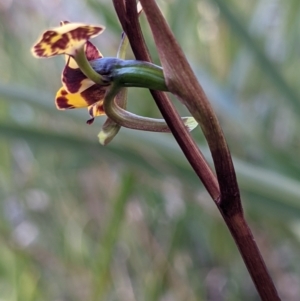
[(230, 204), (129, 21), (255, 264)]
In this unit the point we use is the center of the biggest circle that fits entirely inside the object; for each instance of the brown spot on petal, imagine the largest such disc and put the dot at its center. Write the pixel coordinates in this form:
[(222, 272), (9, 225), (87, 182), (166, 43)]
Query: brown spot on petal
[(93, 94), (100, 109), (39, 51), (62, 103), (84, 32), (61, 43), (63, 92), (92, 52), (48, 35), (72, 79)]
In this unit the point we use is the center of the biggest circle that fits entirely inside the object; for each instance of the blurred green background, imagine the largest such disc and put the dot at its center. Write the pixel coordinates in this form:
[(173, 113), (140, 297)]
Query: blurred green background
[(130, 221)]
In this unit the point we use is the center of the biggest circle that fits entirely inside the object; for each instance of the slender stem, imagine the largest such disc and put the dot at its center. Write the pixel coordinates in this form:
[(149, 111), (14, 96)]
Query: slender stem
[(252, 257), (182, 82), (234, 216), (129, 21)]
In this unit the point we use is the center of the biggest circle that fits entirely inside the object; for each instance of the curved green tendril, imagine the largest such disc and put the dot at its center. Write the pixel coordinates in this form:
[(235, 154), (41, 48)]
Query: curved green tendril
[(133, 121), (87, 69)]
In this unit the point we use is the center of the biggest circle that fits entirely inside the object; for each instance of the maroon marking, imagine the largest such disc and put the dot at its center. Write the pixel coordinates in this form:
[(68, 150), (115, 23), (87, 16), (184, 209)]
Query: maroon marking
[(83, 33), (48, 35), (72, 78), (78, 33), (100, 108), (91, 52), (63, 92), (93, 94), (62, 103), (61, 43), (39, 51)]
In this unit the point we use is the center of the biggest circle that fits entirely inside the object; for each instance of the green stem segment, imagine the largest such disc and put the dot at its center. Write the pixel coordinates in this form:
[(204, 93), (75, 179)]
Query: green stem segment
[(140, 74), (131, 73), (87, 69)]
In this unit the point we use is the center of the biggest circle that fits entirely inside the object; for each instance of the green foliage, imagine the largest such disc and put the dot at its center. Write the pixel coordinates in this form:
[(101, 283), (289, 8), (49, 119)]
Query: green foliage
[(130, 221)]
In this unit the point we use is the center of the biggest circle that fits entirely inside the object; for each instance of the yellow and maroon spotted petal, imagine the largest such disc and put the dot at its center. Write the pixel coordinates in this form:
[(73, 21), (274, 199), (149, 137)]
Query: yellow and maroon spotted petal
[(72, 78), (65, 39), (91, 51), (65, 100)]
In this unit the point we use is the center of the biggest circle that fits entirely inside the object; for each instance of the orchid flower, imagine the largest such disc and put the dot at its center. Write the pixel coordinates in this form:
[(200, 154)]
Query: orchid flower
[(89, 80)]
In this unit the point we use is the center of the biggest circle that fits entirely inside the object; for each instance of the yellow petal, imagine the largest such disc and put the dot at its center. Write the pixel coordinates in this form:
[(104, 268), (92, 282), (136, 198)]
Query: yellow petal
[(65, 39), (65, 100)]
